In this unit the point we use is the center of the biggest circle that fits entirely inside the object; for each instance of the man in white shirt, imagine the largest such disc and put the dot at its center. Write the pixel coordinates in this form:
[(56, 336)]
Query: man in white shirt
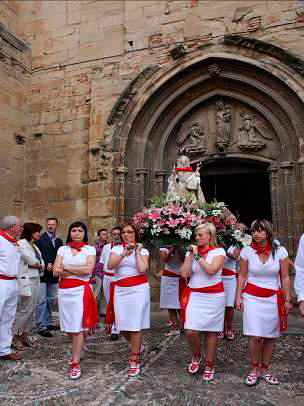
[(109, 275), (299, 279), (9, 269)]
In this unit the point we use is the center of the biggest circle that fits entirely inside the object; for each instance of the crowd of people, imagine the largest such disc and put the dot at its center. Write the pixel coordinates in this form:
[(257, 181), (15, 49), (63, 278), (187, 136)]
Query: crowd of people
[(200, 288)]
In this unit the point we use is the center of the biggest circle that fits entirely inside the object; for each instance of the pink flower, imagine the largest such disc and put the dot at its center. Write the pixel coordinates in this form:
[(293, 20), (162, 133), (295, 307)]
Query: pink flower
[(174, 210), (172, 223)]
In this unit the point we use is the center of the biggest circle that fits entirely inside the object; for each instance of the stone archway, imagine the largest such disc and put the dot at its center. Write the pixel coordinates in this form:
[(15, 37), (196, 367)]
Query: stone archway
[(189, 101)]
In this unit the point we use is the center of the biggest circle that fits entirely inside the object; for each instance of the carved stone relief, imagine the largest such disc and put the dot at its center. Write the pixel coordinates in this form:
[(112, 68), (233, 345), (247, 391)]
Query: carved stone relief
[(191, 138), (223, 125), (252, 133)]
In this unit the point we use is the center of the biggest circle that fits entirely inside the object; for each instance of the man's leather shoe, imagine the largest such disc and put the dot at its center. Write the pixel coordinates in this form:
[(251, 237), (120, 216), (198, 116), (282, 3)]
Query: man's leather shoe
[(52, 327), (45, 333), (13, 356), (114, 337)]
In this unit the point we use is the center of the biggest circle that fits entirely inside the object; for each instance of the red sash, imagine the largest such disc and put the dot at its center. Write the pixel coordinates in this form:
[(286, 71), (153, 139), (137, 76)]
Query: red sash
[(182, 282), (8, 237), (7, 278), (254, 290), (229, 272), (109, 274), (90, 311), (126, 282), (217, 288)]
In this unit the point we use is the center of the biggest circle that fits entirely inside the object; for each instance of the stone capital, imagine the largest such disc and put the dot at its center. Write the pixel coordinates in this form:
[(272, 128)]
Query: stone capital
[(287, 165)]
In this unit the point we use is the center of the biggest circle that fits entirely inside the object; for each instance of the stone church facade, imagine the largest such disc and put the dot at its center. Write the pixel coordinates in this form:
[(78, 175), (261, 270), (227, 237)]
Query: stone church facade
[(98, 97)]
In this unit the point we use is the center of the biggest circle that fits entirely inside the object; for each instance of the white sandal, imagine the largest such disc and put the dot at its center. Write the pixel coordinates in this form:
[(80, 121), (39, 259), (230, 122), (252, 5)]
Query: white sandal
[(208, 375), (194, 366), (251, 379), (269, 378)]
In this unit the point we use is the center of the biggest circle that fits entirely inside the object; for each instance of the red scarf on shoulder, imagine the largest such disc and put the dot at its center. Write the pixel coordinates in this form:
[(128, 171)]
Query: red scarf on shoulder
[(203, 251), (261, 250), (8, 237)]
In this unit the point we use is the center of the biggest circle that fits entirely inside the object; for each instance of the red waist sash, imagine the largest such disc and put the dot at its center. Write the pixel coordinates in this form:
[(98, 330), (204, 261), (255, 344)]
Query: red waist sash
[(7, 278), (217, 288), (254, 290), (229, 272), (90, 311), (126, 283), (182, 281), (109, 274)]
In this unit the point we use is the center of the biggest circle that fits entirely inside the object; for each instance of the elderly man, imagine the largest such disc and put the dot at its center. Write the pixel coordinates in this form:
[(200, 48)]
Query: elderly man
[(9, 269)]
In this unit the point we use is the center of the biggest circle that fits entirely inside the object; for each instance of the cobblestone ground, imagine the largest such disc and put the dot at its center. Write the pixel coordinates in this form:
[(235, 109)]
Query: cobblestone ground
[(41, 378)]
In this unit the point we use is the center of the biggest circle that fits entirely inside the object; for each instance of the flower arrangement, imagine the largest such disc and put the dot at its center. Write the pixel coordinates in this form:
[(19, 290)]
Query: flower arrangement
[(167, 224)]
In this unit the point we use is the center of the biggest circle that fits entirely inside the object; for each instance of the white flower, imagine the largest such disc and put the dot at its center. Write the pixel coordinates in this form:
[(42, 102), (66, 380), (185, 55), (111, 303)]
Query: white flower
[(216, 212), (246, 239), (201, 213), (166, 231), (219, 205), (237, 234), (184, 233)]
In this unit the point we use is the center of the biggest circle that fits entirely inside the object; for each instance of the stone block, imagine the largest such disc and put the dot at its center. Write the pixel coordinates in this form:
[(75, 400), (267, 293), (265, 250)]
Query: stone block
[(83, 111), (49, 117), (68, 114), (54, 128), (100, 207), (192, 26)]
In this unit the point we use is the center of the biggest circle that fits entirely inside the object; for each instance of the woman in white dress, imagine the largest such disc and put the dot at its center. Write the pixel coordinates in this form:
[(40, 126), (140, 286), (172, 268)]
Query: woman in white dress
[(264, 266), (171, 285), (129, 304), (203, 301), (229, 276), (31, 267), (78, 312)]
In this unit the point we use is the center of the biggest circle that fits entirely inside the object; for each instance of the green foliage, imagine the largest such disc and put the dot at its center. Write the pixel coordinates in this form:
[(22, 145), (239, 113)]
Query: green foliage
[(158, 200)]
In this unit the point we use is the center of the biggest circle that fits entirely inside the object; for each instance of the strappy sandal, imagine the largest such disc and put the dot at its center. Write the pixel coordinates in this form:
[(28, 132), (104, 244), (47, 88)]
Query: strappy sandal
[(194, 366), (208, 375), (252, 378), (268, 377), (133, 371)]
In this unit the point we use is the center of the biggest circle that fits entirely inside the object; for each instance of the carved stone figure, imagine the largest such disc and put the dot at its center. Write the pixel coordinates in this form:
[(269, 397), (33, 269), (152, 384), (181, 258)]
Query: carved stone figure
[(223, 125), (251, 132), (191, 138), (184, 184)]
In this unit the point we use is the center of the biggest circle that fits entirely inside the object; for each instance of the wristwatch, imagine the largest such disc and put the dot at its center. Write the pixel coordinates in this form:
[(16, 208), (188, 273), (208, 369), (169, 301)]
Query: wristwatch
[(197, 256)]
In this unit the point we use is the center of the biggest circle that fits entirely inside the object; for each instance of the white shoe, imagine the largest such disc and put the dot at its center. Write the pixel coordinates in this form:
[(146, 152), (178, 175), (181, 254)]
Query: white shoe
[(208, 375), (75, 372), (133, 371)]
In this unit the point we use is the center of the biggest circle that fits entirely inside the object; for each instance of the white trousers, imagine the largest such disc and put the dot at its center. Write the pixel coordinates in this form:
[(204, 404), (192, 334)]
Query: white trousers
[(8, 306), (28, 305)]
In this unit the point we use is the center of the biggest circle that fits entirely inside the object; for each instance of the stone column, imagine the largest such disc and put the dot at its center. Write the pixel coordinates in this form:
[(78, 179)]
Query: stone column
[(273, 179), (119, 193), (290, 212), (160, 176), (141, 174)]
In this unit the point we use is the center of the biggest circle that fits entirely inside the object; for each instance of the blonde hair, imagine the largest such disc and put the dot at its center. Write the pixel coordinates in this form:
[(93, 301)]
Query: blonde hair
[(211, 230)]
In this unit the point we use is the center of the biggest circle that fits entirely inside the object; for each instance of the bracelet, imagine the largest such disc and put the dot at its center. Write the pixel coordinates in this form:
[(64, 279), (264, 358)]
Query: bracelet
[(122, 255), (197, 257)]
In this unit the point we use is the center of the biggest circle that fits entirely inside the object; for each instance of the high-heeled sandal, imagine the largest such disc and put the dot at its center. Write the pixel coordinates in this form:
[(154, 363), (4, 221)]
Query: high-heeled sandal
[(133, 371), (252, 377), (208, 375), (268, 377), (194, 366)]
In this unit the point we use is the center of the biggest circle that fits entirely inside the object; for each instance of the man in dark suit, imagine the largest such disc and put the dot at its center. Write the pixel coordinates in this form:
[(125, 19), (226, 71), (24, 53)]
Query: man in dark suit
[(48, 245)]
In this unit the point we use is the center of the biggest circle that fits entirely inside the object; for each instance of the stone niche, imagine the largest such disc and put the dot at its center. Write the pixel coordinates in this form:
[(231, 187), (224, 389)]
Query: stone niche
[(219, 127)]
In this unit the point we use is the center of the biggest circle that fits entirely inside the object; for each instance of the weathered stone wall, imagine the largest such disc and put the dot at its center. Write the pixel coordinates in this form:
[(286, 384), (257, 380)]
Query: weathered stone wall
[(84, 54), (14, 113)]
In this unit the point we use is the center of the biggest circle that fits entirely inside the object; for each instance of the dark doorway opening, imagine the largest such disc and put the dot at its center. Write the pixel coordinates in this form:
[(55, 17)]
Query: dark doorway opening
[(242, 185)]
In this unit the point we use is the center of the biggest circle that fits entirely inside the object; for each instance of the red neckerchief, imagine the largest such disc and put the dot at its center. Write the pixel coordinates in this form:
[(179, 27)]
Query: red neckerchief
[(76, 245), (204, 251), (187, 169), (8, 237), (261, 250)]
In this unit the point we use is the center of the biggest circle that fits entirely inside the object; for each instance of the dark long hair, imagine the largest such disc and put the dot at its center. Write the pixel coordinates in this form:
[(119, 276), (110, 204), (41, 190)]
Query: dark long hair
[(29, 229), (265, 225), (78, 224)]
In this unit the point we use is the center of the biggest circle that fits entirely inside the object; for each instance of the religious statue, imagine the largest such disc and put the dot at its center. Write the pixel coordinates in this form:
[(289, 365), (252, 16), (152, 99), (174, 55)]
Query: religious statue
[(223, 125), (191, 137), (184, 184), (251, 132)]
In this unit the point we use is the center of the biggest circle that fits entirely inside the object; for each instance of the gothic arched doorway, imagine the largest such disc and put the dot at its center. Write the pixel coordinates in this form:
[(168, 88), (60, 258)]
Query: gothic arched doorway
[(186, 105), (243, 185)]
